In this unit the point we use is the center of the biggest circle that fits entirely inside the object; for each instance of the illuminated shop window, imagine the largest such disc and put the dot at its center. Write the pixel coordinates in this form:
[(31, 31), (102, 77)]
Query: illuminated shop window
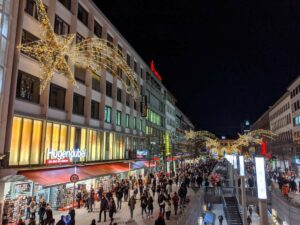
[(107, 114), (25, 142), (118, 118), (127, 121)]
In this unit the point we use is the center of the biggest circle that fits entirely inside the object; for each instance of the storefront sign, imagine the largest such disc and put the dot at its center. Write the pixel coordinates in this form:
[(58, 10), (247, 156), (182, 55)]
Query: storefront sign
[(57, 161), (261, 177), (141, 154), (58, 154)]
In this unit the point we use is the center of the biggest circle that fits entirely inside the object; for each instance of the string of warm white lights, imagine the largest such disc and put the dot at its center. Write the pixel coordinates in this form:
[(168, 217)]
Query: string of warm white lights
[(94, 54)]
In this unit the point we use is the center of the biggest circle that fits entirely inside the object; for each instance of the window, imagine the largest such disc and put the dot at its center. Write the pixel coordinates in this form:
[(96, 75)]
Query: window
[(127, 99), (97, 29), (79, 38), (118, 118), (142, 72), (82, 15), (108, 89), (141, 124), (128, 60), (31, 9), (119, 95), (120, 50), (57, 97), (79, 74), (110, 40), (28, 87), (135, 66), (27, 38), (134, 123), (297, 120), (95, 110), (119, 72), (66, 3), (142, 90), (127, 121), (78, 104), (96, 82), (60, 26), (134, 105), (107, 114)]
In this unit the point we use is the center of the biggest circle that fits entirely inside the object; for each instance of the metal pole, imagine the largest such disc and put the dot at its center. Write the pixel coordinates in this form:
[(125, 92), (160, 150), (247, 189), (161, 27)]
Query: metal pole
[(244, 199), (74, 195), (262, 203)]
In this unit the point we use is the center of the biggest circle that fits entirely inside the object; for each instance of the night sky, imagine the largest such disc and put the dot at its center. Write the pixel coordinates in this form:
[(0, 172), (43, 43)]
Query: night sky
[(225, 61)]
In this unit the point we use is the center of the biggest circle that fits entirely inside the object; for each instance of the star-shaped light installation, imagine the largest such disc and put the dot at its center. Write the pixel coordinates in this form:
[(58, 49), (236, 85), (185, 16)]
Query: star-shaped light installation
[(94, 54)]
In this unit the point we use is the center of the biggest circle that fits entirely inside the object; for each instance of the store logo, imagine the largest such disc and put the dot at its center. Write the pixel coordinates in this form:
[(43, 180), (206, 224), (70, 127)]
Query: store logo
[(58, 154)]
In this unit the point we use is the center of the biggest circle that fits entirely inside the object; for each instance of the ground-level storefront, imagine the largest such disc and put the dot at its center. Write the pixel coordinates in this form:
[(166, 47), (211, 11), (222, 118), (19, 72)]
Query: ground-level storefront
[(55, 187)]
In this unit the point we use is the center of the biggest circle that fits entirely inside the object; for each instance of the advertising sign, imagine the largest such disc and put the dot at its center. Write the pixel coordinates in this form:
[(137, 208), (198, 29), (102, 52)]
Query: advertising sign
[(141, 154), (144, 106), (261, 177), (242, 165), (74, 178), (234, 161)]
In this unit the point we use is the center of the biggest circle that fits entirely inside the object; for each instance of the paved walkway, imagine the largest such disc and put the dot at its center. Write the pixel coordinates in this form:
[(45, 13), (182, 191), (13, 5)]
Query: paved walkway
[(123, 216)]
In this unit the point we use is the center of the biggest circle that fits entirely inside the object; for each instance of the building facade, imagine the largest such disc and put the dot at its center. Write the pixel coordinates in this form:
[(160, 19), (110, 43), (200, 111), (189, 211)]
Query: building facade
[(94, 122)]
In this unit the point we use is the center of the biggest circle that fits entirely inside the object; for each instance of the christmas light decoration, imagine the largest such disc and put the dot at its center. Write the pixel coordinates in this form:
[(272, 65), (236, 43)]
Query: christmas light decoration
[(253, 137), (53, 52), (201, 135)]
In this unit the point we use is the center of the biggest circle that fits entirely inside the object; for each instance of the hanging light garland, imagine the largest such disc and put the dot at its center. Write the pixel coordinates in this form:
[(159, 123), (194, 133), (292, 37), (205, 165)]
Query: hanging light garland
[(53, 52)]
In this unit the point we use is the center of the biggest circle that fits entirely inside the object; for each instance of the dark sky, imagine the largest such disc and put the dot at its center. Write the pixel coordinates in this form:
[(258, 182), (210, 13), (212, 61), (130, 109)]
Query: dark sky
[(225, 61)]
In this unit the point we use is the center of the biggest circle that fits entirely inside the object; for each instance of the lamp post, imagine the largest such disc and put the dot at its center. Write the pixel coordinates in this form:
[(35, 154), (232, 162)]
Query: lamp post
[(243, 190), (261, 189)]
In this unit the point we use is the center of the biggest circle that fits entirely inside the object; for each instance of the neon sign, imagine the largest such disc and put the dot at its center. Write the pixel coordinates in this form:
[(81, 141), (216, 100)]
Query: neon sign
[(152, 67), (263, 148)]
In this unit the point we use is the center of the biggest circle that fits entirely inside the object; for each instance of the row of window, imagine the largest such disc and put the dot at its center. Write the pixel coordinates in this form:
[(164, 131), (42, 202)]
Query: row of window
[(285, 136), (171, 122), (28, 89), (281, 122), (153, 117), (295, 91), (296, 106), (171, 110), (280, 111), (118, 120)]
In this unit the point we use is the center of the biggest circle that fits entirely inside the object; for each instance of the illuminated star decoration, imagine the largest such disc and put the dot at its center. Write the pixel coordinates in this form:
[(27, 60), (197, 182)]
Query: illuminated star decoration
[(93, 54), (50, 51)]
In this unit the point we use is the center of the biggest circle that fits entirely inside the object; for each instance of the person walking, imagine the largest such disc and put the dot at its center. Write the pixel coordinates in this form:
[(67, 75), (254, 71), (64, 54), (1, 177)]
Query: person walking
[(161, 203), (93, 222), (249, 220), (119, 195), (48, 214), (175, 200), (33, 208), (250, 211), (144, 204), (220, 219), (150, 206), (31, 222), (103, 208), (160, 220), (41, 212), (131, 204), (91, 200), (78, 199), (111, 209), (168, 209)]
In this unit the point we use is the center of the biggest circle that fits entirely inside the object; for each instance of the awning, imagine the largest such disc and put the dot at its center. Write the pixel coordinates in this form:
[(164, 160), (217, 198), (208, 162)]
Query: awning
[(52, 177)]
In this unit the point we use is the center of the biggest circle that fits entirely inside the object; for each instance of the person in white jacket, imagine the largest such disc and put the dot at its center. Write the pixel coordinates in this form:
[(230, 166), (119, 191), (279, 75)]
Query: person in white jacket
[(168, 209)]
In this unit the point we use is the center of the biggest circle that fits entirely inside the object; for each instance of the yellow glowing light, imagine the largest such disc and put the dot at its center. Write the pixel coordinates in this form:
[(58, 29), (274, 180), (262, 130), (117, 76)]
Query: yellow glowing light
[(94, 54)]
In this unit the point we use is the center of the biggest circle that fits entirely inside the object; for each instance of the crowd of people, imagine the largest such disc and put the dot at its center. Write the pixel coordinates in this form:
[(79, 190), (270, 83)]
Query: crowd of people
[(131, 192)]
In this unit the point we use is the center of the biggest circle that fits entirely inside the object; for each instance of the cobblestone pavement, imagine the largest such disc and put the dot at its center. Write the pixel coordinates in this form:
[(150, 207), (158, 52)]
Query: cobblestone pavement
[(189, 216)]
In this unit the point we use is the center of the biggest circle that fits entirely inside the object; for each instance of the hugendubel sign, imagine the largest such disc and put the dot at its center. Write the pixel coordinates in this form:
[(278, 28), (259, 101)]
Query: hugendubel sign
[(63, 157)]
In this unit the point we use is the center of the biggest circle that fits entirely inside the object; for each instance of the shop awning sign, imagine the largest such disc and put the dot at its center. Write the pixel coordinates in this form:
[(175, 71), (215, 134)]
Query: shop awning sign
[(63, 157), (74, 178)]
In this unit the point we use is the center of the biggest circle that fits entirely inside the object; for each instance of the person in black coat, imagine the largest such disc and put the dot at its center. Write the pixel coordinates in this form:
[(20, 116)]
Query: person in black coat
[(61, 221), (72, 214), (160, 220), (103, 208)]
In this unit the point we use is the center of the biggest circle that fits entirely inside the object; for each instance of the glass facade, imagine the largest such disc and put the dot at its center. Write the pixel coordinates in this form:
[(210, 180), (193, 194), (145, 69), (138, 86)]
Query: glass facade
[(154, 117), (4, 15), (32, 140)]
